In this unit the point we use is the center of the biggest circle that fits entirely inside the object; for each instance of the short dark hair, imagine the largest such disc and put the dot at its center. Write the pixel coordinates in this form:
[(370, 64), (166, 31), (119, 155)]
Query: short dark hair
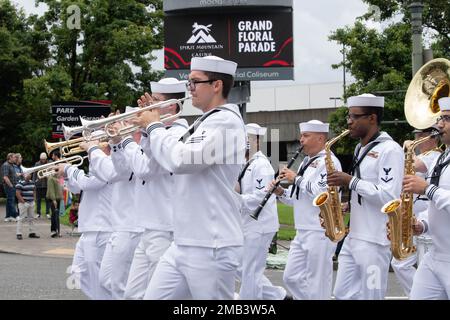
[(177, 95), (56, 153), (227, 80), (376, 111)]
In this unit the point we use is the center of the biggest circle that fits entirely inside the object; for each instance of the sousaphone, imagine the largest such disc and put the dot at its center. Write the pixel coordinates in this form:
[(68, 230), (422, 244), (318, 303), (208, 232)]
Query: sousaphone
[(428, 85)]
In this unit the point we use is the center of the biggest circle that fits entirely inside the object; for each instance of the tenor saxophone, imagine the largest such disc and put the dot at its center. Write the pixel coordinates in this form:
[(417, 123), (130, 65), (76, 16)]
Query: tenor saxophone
[(400, 211), (329, 201)]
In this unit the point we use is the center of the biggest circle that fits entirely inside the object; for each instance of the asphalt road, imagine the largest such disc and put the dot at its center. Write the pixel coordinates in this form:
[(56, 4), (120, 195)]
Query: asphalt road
[(41, 278)]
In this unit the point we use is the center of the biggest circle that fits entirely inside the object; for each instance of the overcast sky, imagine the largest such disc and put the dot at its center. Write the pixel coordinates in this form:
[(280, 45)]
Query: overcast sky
[(313, 23)]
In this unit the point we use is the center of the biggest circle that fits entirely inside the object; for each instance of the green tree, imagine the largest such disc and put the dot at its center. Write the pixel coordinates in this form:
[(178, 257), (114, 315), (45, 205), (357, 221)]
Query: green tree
[(380, 62), (77, 50), (436, 19), (105, 46), (23, 53)]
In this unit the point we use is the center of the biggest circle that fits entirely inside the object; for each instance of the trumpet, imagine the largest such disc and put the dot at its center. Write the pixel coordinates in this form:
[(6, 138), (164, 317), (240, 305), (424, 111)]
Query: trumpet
[(71, 147), (49, 169), (90, 125), (70, 131)]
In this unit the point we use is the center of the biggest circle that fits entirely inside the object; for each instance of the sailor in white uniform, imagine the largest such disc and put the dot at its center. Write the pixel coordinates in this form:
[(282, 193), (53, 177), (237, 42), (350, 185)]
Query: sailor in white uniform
[(203, 260), (123, 215), (309, 270), (154, 194), (377, 173), (432, 278), (428, 153), (95, 226), (258, 234)]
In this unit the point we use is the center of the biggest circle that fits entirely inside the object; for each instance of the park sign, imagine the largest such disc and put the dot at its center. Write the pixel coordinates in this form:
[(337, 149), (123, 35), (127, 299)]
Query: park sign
[(256, 34), (69, 113)]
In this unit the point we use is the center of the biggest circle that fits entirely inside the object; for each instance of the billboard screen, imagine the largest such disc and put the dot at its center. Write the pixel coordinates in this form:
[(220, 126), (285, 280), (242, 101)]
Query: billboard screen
[(260, 42)]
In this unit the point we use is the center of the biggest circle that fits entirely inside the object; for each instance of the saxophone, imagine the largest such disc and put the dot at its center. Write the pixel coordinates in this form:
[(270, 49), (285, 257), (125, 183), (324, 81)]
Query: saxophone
[(329, 201), (400, 211)]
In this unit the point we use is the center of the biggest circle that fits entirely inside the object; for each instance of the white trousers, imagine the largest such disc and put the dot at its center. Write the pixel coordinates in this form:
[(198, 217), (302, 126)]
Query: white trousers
[(86, 264), (405, 270), (254, 284), (432, 279), (117, 260), (308, 274), (151, 247), (186, 272), (26, 214), (363, 270)]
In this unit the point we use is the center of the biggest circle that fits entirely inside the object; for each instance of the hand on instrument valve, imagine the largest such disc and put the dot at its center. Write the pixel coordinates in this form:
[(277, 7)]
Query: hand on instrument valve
[(145, 118), (278, 191), (339, 179), (288, 175), (145, 100), (61, 169), (345, 208), (418, 227), (86, 145), (414, 184)]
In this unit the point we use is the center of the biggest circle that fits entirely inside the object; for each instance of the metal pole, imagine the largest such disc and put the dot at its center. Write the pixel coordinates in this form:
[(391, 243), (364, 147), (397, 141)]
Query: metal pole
[(343, 64), (416, 9)]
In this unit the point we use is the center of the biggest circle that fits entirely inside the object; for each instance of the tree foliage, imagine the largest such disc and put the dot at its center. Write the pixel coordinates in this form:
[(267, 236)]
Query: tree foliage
[(77, 50), (380, 62)]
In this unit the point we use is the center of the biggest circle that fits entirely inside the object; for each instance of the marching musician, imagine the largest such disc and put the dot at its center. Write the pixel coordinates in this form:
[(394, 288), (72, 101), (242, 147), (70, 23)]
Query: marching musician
[(309, 268), (432, 278), (258, 234), (154, 194), (428, 153), (375, 179), (94, 224), (126, 233), (202, 261)]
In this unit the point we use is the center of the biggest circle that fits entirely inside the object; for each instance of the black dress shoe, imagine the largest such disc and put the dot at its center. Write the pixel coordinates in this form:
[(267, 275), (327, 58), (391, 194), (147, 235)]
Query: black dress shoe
[(19, 237), (33, 235), (288, 297)]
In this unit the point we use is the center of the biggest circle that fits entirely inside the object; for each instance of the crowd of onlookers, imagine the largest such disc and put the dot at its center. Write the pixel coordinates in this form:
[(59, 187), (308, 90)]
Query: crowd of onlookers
[(25, 192)]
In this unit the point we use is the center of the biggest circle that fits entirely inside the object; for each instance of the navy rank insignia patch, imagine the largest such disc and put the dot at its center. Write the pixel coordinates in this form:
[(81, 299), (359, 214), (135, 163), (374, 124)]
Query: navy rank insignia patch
[(373, 154)]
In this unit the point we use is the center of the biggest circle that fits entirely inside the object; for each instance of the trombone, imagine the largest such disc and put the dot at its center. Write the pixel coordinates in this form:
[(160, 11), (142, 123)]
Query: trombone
[(90, 125), (50, 168)]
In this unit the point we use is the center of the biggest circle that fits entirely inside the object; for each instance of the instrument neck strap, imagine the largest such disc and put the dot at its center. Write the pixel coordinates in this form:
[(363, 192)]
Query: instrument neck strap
[(300, 173), (242, 174), (357, 161), (440, 165), (196, 123)]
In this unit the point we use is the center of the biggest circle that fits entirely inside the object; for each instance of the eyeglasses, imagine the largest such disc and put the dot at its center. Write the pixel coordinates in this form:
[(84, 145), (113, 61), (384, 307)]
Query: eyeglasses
[(355, 116), (192, 83), (444, 117)]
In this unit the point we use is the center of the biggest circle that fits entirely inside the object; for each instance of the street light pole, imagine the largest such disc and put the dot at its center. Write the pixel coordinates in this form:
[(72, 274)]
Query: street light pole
[(343, 65), (416, 9)]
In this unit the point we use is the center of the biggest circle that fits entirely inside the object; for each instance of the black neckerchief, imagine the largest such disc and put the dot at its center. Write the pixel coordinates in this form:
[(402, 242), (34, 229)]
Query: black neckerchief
[(357, 161), (195, 125), (242, 174), (440, 165), (300, 173)]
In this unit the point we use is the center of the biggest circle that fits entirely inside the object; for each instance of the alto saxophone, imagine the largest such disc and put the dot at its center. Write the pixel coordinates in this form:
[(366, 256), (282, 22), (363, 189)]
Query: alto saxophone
[(400, 211), (329, 201)]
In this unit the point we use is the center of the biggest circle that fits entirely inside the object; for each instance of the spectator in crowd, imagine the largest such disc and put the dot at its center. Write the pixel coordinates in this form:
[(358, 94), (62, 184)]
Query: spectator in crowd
[(19, 171), (55, 195), (41, 188), (56, 156), (9, 180), (25, 194)]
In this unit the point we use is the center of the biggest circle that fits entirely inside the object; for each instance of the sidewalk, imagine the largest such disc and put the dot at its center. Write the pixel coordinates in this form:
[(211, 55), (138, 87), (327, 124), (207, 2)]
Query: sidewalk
[(45, 246)]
